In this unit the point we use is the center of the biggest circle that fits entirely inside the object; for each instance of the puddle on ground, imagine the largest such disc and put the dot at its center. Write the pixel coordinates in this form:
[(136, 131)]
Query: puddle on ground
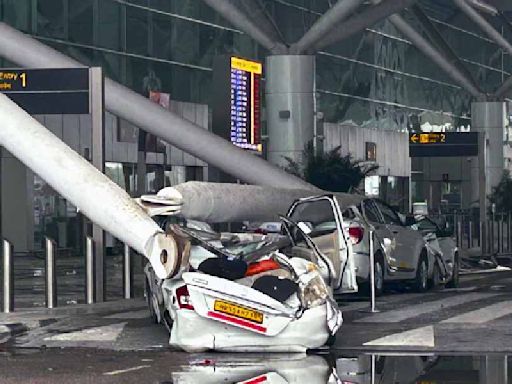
[(211, 368), (346, 369)]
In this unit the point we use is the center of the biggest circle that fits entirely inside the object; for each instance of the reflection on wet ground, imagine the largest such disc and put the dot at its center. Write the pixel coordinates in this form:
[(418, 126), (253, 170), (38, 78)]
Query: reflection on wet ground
[(81, 366)]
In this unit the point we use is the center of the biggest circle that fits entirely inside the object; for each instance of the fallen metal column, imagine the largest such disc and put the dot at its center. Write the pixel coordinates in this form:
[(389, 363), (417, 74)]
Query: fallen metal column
[(428, 50), (325, 23), (93, 193), (23, 50), (231, 13), (359, 22), (222, 202)]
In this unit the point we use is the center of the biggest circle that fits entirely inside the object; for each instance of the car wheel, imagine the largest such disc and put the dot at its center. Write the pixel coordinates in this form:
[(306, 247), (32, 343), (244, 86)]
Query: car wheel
[(379, 279), (421, 280), (454, 282), (150, 301), (436, 278)]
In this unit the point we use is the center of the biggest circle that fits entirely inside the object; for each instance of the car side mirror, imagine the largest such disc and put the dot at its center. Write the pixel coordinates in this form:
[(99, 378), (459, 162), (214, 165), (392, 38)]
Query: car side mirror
[(409, 220)]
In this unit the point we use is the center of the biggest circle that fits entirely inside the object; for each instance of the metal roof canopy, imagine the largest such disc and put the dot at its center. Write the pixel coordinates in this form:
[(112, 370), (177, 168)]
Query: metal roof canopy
[(337, 24)]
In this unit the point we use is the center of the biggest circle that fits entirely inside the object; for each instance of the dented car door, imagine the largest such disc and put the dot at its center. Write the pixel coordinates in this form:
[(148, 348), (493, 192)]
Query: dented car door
[(322, 216)]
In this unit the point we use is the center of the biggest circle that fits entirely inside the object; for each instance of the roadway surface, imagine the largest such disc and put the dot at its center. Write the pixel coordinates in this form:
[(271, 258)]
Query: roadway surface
[(120, 341)]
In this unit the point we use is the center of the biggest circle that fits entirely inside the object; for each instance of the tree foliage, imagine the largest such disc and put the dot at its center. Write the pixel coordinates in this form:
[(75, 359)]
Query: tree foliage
[(501, 195), (330, 171)]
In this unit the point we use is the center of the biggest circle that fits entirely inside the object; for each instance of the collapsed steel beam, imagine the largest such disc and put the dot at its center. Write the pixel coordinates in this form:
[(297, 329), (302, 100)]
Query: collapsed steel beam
[(428, 50), (218, 203), (340, 11), (23, 50), (361, 21), (236, 17), (441, 43), (100, 199)]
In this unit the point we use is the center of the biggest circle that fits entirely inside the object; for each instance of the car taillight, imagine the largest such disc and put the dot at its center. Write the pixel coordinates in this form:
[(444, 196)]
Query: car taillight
[(356, 234), (183, 298)]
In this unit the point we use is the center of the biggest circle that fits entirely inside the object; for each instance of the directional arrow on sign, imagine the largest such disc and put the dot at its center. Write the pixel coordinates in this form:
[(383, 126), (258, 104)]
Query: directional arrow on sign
[(414, 138)]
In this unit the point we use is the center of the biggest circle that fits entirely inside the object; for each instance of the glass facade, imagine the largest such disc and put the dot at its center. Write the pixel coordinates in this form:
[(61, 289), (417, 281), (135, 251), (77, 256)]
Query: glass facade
[(375, 79)]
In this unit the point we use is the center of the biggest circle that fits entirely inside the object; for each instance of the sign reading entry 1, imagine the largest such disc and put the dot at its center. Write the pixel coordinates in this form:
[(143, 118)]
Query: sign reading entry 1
[(443, 144), (47, 91)]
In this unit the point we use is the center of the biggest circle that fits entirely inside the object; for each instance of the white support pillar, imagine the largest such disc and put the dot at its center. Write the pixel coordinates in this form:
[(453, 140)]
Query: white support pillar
[(290, 100), (489, 118)]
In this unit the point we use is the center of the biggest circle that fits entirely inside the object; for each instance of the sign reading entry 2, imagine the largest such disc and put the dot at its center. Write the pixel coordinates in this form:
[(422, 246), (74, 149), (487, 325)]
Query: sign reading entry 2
[(443, 144), (47, 91)]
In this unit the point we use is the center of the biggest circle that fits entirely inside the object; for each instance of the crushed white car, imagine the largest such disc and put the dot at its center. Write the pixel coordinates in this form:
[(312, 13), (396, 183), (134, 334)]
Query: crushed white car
[(253, 292)]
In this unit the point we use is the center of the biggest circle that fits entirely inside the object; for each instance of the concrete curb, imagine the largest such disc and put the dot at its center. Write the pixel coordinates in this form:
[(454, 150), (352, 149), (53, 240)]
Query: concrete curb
[(14, 329)]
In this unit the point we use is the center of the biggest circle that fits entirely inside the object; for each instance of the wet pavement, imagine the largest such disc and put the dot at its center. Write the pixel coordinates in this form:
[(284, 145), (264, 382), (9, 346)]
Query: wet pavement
[(100, 366), (448, 336)]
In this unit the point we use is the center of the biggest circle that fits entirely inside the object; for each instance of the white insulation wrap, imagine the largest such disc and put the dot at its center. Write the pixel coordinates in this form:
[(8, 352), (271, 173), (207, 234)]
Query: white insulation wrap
[(78, 181), (217, 203)]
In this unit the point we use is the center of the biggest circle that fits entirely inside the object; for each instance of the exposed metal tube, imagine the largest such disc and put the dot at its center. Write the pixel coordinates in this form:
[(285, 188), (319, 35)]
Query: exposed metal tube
[(50, 274), (89, 270), (441, 43), (23, 50), (359, 22), (127, 273), (340, 11), (478, 19), (8, 281), (99, 198), (428, 50), (236, 17)]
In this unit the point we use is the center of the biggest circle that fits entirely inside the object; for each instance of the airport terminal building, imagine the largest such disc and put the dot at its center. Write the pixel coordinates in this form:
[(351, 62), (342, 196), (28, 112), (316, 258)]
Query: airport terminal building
[(370, 90)]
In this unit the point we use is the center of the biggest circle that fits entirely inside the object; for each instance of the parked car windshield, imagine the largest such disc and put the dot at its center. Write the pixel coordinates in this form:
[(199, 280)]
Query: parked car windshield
[(318, 215)]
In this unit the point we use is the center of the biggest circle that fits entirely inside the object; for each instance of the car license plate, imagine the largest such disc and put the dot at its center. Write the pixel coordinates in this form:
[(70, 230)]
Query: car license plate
[(238, 311)]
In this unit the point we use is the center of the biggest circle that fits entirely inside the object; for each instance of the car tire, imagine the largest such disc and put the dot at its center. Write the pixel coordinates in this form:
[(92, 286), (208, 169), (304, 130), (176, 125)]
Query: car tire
[(454, 282), (421, 279), (379, 278), (436, 283), (149, 301)]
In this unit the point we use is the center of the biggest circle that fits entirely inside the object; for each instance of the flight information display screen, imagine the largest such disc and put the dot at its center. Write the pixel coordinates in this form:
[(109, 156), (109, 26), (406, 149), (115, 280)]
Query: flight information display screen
[(245, 79), (237, 101)]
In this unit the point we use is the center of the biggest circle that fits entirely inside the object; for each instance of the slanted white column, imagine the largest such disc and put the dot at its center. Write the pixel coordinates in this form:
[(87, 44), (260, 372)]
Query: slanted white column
[(82, 184)]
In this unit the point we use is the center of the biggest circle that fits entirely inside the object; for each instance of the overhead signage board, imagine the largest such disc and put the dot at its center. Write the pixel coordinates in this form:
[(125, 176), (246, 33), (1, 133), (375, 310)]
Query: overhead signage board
[(47, 91), (443, 144), (237, 101)]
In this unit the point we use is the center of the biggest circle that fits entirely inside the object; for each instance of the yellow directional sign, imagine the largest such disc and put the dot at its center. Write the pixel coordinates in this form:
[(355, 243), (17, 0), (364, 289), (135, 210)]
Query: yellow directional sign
[(428, 138), (443, 144)]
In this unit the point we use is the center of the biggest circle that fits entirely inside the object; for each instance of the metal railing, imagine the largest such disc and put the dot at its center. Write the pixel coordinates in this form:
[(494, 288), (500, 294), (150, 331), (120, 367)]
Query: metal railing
[(492, 236), (51, 296)]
